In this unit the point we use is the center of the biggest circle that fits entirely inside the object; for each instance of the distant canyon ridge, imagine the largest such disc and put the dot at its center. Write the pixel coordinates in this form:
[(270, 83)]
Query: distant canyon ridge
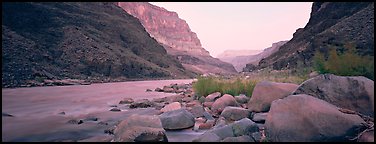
[(176, 37)]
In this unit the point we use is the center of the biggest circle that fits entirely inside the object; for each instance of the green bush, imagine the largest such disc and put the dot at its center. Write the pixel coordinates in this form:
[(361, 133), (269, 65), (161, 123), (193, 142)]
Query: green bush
[(347, 63), (207, 85)]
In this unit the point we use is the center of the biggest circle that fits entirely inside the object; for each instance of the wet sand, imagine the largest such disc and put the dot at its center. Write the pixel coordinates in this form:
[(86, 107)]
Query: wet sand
[(36, 110)]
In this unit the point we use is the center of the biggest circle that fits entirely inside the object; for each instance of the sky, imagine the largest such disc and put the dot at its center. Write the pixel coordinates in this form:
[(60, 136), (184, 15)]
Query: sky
[(224, 26)]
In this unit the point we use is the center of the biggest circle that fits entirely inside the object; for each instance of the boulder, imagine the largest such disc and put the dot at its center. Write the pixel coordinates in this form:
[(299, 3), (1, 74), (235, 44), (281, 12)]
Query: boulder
[(309, 119), (126, 101), (243, 138), (212, 97), (142, 103), (197, 111), (235, 113), (265, 92), (177, 119), (241, 127), (140, 128), (222, 102), (350, 92), (242, 99), (171, 107), (207, 137), (259, 117)]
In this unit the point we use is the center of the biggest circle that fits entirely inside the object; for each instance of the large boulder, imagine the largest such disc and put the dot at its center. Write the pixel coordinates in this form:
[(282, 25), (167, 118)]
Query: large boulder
[(212, 97), (265, 92), (306, 118), (226, 100), (171, 107), (140, 128), (235, 113), (241, 127), (354, 93), (177, 119)]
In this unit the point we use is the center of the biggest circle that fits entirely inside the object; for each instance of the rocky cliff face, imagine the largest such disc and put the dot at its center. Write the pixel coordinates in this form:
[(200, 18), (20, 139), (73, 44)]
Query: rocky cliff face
[(330, 24), (90, 41), (176, 37)]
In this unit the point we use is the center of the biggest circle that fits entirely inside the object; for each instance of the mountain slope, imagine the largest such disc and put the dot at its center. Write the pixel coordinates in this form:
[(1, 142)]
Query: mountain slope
[(330, 24), (240, 62), (90, 41), (176, 37)]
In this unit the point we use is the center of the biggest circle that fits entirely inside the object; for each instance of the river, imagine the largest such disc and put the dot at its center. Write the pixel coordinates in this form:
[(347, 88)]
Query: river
[(36, 110)]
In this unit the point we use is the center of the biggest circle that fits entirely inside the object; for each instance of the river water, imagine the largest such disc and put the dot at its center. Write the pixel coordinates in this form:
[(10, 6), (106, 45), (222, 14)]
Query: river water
[(36, 110)]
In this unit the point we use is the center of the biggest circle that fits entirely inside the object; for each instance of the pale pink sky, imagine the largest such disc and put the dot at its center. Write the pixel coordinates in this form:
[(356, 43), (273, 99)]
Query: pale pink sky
[(222, 26)]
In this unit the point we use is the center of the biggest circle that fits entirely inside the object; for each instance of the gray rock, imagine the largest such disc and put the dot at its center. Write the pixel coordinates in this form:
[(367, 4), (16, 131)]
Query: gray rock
[(140, 128), (177, 119), (259, 117), (208, 116), (241, 127), (306, 118), (266, 92), (207, 137), (142, 103), (235, 113), (243, 138), (256, 136), (350, 92), (197, 111), (242, 99)]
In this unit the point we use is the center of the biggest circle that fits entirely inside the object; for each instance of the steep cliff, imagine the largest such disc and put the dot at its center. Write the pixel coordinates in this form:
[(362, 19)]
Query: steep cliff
[(89, 41), (176, 37), (330, 24)]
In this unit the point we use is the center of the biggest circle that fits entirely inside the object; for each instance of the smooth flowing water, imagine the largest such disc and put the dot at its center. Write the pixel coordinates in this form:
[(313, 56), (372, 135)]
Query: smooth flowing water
[(36, 110)]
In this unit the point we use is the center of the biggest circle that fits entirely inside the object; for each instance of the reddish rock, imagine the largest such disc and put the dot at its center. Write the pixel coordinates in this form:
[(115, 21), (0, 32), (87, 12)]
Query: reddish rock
[(212, 97), (306, 118), (351, 92), (265, 92), (224, 101), (171, 107)]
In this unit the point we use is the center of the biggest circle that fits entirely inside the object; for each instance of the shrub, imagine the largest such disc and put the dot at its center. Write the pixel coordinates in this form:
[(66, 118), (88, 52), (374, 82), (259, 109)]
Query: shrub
[(347, 63), (207, 85)]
